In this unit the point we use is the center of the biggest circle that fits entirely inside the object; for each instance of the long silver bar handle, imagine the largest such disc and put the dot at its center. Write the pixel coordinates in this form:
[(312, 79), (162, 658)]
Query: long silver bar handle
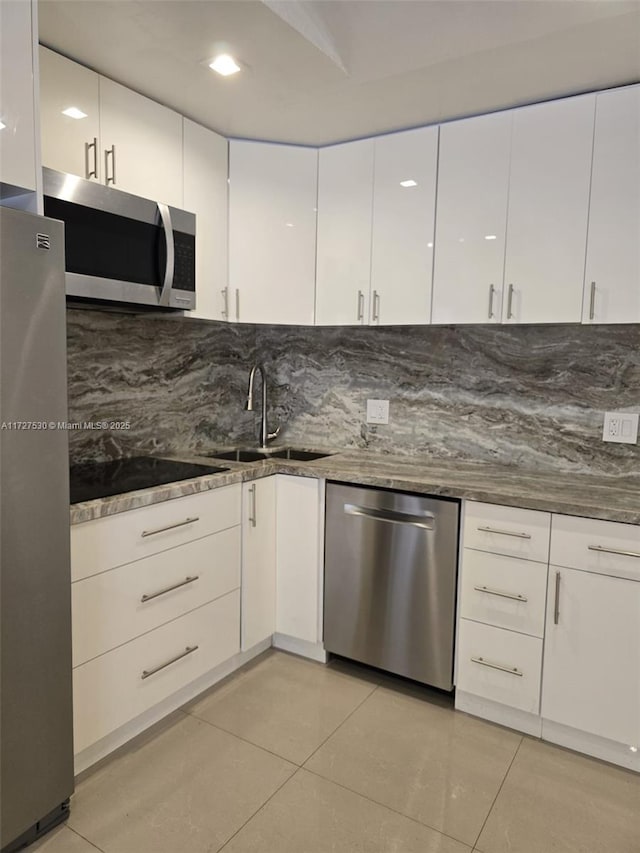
[(193, 520), (512, 670), (510, 303), (91, 173), (425, 520), (556, 605), (238, 304), (492, 290), (167, 589), (376, 306), (617, 551), (505, 532), (167, 227), (188, 651), (592, 301), (225, 302), (360, 305), (252, 505), (514, 596), (110, 151)]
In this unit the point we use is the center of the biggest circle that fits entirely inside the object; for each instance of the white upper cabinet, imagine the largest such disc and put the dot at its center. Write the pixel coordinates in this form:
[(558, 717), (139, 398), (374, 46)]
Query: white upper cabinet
[(471, 219), (205, 194), (404, 194), (345, 207), (70, 144), (612, 280), (142, 144), (272, 232), (17, 116), (548, 210)]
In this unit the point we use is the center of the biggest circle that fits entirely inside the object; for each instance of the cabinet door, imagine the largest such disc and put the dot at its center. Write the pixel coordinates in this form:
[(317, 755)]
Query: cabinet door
[(258, 561), (298, 549), (205, 194), (612, 280), (591, 672), (403, 223), (69, 144), (17, 118), (471, 219), (147, 158), (345, 202), (548, 209), (272, 232)]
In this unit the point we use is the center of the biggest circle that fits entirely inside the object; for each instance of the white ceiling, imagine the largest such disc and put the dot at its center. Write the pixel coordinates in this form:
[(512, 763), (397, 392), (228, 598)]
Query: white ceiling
[(320, 71)]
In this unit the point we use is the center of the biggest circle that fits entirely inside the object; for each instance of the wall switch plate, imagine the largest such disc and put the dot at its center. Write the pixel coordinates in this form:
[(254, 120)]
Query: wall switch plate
[(621, 427), (377, 411)]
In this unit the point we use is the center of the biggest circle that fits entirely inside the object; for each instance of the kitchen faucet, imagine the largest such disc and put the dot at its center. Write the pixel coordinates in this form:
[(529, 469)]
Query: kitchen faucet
[(265, 435)]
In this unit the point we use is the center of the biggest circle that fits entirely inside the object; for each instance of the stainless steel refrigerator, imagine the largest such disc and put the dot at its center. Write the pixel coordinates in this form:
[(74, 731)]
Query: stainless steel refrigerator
[(36, 725)]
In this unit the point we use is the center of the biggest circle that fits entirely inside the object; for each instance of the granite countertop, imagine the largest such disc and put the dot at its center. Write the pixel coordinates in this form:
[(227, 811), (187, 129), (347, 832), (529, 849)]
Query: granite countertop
[(609, 498)]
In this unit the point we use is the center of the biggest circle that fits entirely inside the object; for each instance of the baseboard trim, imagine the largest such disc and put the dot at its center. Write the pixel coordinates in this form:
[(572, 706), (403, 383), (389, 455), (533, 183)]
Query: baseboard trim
[(304, 648), (513, 718), (593, 745)]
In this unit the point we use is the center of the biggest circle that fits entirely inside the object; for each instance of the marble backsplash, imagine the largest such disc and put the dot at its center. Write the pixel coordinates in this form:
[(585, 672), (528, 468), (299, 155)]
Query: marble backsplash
[(531, 396)]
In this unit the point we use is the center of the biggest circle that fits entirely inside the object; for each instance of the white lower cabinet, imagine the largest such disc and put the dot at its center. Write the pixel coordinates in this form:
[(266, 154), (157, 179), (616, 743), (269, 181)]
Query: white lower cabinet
[(500, 665), (299, 541), (112, 689), (258, 561)]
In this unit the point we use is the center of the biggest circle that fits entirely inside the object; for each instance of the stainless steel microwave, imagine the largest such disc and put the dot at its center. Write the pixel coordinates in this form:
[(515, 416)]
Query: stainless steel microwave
[(121, 248)]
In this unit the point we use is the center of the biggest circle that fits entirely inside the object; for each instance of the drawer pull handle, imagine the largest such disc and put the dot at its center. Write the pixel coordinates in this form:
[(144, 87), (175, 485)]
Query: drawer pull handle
[(505, 532), (147, 672), (604, 550), (556, 605), (170, 526), (167, 589), (514, 596), (512, 670)]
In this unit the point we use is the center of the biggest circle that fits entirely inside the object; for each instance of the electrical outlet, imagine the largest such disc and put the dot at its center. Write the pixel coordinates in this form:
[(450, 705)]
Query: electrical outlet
[(377, 411), (621, 427)]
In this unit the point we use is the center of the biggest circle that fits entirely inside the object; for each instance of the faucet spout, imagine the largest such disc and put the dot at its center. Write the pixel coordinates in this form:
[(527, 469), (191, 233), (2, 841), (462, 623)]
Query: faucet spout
[(265, 435)]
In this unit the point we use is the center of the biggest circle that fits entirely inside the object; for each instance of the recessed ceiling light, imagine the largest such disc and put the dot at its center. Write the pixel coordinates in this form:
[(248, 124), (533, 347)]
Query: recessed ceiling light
[(74, 112), (2, 125), (224, 65), (289, 224), (409, 183), (491, 237)]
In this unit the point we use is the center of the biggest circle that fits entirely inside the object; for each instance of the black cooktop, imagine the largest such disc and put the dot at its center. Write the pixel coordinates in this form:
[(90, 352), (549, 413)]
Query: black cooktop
[(93, 480)]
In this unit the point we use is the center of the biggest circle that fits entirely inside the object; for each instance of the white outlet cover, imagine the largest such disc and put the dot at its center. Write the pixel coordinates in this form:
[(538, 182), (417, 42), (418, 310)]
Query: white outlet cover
[(621, 427), (377, 411)]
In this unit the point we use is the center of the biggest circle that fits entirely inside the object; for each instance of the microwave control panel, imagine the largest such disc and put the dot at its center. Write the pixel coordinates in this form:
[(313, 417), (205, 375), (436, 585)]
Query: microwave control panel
[(184, 276)]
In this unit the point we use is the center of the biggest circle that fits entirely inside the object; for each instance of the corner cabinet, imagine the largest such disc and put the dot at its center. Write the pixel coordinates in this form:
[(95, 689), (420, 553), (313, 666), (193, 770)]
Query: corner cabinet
[(272, 233), (612, 278), (18, 166), (206, 164), (258, 562)]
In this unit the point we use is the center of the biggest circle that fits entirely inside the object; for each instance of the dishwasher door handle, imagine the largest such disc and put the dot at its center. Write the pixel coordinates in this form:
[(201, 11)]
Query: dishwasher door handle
[(391, 516)]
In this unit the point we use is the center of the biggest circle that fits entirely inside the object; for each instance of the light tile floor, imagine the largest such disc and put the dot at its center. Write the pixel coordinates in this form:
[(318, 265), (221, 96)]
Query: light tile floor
[(289, 756)]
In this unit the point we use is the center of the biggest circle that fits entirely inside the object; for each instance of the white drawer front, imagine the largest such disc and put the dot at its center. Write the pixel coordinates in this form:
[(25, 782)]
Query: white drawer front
[(484, 653), (605, 547), (105, 543), (504, 591), (109, 691), (108, 609), (507, 530)]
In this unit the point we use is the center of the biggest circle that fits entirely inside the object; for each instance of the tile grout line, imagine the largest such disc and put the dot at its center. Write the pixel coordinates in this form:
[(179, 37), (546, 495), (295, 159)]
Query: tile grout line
[(515, 754), (259, 809), (79, 834), (386, 806)]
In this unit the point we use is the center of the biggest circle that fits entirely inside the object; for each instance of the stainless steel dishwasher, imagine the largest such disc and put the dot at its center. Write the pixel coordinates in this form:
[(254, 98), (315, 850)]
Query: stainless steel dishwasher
[(390, 581)]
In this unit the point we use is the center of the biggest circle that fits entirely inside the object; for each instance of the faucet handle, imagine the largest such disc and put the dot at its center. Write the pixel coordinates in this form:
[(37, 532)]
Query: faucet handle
[(275, 434)]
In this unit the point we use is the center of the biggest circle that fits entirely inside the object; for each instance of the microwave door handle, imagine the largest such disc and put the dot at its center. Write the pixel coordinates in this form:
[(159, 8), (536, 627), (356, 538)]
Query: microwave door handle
[(167, 227)]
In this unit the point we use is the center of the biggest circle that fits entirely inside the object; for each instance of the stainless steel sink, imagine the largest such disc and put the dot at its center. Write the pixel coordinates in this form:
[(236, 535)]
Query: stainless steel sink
[(256, 454)]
